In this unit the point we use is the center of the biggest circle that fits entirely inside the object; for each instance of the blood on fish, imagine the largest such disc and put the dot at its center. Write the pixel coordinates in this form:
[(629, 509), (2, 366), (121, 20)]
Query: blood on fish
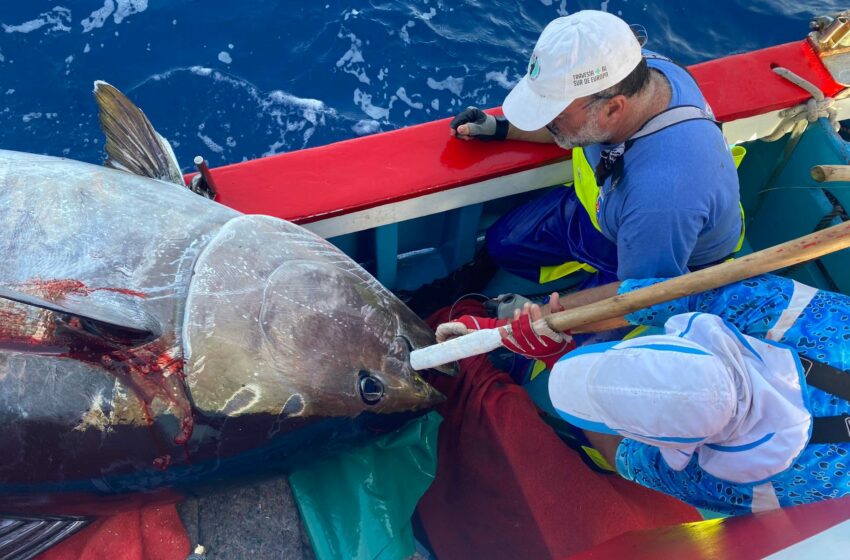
[(152, 371), (52, 289)]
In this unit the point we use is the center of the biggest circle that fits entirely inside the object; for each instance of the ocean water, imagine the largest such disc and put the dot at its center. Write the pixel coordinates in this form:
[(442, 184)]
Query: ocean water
[(239, 80)]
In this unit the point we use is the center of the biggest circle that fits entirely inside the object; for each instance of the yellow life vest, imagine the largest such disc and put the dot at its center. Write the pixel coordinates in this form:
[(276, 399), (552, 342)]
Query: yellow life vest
[(587, 192)]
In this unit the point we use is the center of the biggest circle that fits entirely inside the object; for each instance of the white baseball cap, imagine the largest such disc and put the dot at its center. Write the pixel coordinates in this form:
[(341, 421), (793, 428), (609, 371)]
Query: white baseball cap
[(703, 388), (575, 56)]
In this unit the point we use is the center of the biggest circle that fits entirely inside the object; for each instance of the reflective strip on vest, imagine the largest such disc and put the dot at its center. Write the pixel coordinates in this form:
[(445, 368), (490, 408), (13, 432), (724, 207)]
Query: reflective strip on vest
[(584, 182), (550, 273), (587, 192), (740, 244), (738, 154), (598, 459)]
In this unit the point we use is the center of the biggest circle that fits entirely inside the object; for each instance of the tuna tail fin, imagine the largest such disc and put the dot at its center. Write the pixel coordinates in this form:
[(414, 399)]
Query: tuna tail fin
[(23, 538), (134, 327), (132, 144)]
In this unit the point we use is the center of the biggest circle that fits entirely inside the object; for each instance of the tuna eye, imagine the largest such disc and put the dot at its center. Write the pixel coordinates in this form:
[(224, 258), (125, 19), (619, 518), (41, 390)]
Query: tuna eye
[(371, 389)]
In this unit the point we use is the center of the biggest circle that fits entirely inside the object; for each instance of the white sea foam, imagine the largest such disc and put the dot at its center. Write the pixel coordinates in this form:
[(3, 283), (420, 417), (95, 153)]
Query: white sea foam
[(431, 13), (10, 91), (127, 8), (274, 148), (210, 143), (402, 95), (405, 36), (30, 116), (199, 70), (435, 104), (310, 107), (58, 19), (562, 10), (224, 57), (501, 78), (452, 84), (118, 9), (366, 126), (364, 101), (352, 62), (97, 18), (307, 135), (87, 48), (289, 114)]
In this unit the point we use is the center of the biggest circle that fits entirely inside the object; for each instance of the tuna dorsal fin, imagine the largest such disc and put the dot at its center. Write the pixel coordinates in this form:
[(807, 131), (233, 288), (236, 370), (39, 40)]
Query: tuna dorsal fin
[(132, 144), (130, 328), (23, 538)]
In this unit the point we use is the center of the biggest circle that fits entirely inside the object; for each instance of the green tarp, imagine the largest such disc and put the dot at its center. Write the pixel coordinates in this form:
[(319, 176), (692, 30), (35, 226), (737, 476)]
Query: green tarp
[(358, 504)]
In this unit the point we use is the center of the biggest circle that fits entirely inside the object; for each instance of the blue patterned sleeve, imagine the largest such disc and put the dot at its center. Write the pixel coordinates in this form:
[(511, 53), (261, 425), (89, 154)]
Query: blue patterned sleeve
[(644, 465), (752, 305)]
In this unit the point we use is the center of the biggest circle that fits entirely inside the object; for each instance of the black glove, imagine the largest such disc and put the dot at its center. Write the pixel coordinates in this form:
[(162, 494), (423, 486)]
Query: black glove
[(481, 125)]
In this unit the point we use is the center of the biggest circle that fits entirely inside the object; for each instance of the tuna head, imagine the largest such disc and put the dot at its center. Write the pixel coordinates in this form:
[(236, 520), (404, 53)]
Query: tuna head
[(280, 322)]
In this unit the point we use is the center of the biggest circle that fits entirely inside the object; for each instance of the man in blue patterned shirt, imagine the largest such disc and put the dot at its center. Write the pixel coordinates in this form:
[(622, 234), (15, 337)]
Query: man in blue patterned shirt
[(741, 405), (760, 455)]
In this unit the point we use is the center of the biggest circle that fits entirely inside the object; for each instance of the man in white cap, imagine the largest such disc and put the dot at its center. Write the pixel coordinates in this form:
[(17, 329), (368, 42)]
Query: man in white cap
[(742, 404), (655, 192)]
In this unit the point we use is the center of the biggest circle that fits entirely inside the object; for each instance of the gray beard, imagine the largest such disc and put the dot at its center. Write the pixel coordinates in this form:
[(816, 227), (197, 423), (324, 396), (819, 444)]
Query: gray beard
[(589, 134)]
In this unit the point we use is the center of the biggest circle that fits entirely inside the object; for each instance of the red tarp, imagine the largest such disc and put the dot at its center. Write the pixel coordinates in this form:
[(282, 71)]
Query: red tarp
[(151, 532), (508, 487)]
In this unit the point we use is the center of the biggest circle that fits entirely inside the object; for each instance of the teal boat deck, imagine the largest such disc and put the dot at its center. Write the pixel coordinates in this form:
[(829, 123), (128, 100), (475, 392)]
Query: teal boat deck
[(782, 202)]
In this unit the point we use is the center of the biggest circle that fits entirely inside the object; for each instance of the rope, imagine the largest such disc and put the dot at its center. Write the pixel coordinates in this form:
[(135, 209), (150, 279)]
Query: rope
[(815, 108)]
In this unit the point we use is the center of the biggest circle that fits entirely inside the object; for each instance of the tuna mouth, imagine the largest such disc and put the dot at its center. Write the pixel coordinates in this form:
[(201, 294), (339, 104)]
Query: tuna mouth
[(427, 394)]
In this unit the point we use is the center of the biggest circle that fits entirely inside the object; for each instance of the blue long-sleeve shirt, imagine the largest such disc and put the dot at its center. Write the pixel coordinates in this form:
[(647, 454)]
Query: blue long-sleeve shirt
[(814, 322)]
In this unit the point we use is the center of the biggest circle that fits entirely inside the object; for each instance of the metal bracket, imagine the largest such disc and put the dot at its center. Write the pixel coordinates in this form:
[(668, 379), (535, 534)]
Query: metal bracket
[(830, 38)]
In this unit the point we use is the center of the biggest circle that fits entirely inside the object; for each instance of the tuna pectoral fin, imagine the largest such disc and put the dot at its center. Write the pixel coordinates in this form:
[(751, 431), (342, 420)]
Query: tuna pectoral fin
[(128, 326), (131, 142), (23, 538)]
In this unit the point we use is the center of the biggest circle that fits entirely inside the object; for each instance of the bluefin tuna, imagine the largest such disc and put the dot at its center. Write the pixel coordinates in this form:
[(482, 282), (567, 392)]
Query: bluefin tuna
[(152, 338)]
